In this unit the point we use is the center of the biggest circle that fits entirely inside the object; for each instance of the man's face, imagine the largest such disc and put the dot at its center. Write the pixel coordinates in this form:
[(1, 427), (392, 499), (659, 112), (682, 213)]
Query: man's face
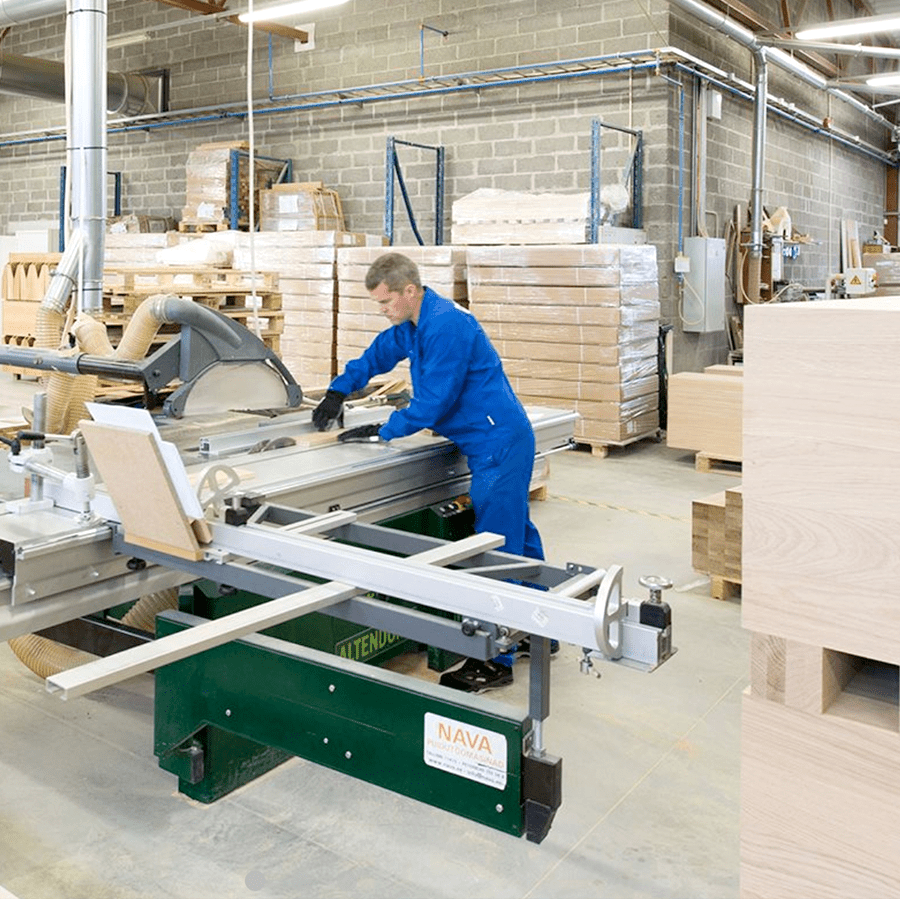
[(397, 306)]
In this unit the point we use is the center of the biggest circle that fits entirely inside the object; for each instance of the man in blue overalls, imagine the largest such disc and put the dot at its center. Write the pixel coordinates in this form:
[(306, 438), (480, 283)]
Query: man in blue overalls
[(461, 392)]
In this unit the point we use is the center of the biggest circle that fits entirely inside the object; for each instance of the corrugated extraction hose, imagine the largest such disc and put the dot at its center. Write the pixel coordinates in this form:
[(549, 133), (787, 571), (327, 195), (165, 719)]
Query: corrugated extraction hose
[(66, 398)]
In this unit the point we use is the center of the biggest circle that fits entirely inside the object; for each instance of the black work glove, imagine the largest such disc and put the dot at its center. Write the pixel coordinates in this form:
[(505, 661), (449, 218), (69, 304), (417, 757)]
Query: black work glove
[(363, 434), (328, 410)]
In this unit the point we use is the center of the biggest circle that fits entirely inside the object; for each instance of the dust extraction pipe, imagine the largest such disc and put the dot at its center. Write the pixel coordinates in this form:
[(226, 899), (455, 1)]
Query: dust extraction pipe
[(87, 128), (126, 94)]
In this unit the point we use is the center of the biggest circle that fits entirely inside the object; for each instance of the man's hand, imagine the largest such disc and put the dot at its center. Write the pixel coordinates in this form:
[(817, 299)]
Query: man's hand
[(328, 410), (364, 434)]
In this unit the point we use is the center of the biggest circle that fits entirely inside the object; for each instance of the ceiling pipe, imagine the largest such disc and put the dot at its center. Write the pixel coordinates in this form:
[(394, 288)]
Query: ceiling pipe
[(760, 103), (127, 94), (19, 12), (87, 140), (843, 49)]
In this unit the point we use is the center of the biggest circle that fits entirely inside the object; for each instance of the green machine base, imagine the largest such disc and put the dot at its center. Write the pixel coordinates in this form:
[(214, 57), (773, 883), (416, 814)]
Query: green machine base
[(229, 714)]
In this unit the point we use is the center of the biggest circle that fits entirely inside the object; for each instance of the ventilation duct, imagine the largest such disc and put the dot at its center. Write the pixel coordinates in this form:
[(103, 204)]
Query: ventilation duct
[(17, 12), (126, 94)]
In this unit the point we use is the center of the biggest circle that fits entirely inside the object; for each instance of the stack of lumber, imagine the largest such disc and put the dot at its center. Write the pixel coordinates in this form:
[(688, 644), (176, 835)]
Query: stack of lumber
[(821, 594), (208, 174), (716, 540), (443, 269), (705, 413), (305, 262), (489, 216), (576, 327), (301, 206), (133, 248)]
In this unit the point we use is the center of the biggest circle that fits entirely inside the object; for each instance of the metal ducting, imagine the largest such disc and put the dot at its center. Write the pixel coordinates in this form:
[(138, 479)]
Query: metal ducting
[(17, 12), (126, 94)]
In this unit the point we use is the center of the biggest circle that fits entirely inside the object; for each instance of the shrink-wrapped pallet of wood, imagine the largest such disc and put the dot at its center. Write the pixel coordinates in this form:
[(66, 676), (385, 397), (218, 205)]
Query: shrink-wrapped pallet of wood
[(305, 262), (490, 216), (576, 327), (821, 596), (442, 268), (300, 206), (210, 171)]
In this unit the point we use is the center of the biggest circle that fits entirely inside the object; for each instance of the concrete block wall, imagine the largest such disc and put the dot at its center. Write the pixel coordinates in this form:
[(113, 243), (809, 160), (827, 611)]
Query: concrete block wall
[(534, 137)]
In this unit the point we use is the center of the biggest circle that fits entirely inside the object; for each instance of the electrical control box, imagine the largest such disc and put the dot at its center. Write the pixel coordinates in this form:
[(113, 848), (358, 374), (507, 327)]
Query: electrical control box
[(703, 304)]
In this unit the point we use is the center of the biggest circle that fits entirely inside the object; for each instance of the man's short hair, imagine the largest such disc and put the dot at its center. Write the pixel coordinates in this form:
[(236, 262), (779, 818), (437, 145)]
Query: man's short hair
[(395, 270)]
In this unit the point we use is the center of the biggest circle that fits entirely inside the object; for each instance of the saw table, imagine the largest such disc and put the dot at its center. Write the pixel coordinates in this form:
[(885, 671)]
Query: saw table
[(285, 529)]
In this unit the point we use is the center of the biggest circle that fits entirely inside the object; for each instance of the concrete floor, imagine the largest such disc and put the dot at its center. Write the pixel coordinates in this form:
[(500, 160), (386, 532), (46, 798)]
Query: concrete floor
[(650, 787)]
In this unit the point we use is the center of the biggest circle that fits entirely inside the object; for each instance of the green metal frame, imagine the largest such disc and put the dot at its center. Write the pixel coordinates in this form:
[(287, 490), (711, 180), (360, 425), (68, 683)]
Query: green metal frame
[(225, 716)]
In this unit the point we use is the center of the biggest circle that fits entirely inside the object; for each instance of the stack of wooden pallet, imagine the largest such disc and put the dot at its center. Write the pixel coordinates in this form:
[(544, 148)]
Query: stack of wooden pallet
[(255, 303), (821, 720), (716, 540), (443, 269), (305, 262), (705, 414), (576, 326)]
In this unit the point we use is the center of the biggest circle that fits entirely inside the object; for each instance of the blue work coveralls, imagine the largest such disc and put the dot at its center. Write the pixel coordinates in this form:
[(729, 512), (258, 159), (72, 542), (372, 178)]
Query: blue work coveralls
[(461, 391)]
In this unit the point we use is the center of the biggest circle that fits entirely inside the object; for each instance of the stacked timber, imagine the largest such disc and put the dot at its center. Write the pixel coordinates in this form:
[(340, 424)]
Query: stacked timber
[(716, 540), (443, 269), (305, 262), (820, 772), (705, 414), (576, 327), (124, 248)]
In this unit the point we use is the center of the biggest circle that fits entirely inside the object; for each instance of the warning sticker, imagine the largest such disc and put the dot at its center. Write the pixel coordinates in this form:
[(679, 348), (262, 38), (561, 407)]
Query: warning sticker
[(465, 750)]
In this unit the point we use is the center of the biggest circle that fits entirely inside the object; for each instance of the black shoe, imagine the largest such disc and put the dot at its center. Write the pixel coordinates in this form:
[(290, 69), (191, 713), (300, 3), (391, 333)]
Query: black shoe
[(523, 648), (474, 676)]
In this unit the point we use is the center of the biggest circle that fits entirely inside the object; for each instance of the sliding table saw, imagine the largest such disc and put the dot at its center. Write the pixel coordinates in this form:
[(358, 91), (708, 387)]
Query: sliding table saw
[(299, 561)]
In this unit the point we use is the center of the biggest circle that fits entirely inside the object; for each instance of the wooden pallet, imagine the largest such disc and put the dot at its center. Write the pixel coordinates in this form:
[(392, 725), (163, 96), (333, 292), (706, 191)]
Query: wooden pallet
[(198, 226), (721, 588), (601, 449), (185, 279), (703, 462)]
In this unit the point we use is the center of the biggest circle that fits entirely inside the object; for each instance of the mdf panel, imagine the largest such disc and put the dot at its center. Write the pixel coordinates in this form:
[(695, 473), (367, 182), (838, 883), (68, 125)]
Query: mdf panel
[(821, 475)]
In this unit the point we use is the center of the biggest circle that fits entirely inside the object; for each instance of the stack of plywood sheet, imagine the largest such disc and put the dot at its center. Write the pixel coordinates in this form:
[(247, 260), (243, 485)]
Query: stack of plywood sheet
[(305, 262), (133, 248), (716, 540), (576, 326), (820, 770), (443, 269), (489, 216), (704, 412)]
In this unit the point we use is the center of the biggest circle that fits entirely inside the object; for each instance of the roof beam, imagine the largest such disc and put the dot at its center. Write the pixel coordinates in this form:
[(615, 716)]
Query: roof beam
[(218, 7)]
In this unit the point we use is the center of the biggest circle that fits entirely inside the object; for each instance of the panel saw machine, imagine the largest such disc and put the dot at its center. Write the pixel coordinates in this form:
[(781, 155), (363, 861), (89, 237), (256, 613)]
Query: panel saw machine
[(300, 565)]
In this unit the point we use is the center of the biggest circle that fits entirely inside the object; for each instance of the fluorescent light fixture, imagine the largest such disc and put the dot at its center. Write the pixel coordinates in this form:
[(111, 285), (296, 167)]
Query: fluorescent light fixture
[(892, 80), (850, 28), (283, 10)]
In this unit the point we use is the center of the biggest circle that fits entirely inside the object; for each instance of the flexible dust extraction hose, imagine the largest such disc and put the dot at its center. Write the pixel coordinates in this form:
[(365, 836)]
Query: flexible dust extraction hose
[(67, 395)]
